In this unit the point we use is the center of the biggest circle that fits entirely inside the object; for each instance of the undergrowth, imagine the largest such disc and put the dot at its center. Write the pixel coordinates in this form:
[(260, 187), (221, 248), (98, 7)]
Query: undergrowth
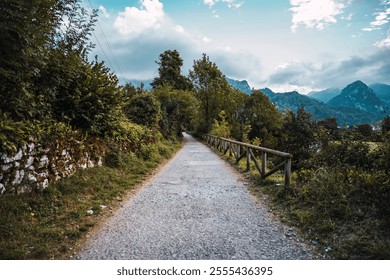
[(347, 212), (51, 223), (341, 203)]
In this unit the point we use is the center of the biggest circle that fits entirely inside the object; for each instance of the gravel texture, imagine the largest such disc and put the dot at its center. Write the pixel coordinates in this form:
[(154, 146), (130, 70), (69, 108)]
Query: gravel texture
[(197, 207)]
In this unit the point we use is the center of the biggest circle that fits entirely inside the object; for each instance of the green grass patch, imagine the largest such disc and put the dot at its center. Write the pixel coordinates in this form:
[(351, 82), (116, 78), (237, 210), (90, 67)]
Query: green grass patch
[(345, 212), (50, 224)]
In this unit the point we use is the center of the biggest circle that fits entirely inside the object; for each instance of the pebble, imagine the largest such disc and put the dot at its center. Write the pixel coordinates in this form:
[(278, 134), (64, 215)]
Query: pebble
[(219, 219)]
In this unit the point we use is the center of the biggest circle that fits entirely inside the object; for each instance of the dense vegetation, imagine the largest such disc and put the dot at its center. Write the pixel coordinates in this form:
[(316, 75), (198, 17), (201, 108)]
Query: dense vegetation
[(340, 195)]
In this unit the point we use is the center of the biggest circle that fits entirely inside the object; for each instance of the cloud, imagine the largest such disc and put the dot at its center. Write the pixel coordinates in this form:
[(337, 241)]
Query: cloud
[(385, 43), (316, 13), (233, 4), (138, 35), (134, 21), (307, 76), (381, 18), (104, 11), (209, 3)]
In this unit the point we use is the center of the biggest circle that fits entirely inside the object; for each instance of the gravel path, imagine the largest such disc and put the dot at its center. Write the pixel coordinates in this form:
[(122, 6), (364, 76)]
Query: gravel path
[(196, 207)]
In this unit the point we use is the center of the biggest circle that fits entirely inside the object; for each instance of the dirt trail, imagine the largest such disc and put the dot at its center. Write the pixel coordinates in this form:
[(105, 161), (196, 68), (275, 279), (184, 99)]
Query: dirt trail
[(196, 207)]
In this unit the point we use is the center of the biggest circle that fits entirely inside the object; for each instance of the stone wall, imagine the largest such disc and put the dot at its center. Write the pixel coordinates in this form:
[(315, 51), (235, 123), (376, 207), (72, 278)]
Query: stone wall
[(35, 166)]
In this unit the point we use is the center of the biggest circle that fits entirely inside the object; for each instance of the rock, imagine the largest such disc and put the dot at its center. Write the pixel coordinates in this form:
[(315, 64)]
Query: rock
[(31, 147), (45, 183), (29, 162), (44, 161), (6, 167), (90, 212), (19, 176), (18, 156), (2, 189), (32, 178)]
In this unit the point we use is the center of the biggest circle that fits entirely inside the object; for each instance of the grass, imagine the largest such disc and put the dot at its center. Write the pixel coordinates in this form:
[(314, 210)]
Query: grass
[(52, 224)]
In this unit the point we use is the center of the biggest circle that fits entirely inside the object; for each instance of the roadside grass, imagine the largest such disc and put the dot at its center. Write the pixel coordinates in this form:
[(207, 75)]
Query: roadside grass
[(51, 224), (343, 212)]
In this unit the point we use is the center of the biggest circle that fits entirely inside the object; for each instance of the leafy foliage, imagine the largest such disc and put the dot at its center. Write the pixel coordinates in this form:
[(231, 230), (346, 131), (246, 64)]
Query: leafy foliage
[(169, 71), (212, 90), (265, 120), (144, 109), (179, 110), (221, 128)]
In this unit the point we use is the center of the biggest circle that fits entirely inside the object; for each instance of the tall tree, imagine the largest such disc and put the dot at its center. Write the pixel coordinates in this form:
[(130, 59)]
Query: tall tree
[(300, 136), (265, 120), (211, 88), (169, 71)]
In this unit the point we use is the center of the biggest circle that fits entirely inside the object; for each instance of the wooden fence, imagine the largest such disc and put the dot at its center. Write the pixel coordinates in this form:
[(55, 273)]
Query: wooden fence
[(242, 150)]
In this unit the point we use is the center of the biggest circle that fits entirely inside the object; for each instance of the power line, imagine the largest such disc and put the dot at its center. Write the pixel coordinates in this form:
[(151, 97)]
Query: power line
[(108, 45)]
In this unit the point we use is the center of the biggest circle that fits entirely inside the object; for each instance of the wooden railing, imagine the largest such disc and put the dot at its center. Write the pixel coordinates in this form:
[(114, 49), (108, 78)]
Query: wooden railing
[(242, 150)]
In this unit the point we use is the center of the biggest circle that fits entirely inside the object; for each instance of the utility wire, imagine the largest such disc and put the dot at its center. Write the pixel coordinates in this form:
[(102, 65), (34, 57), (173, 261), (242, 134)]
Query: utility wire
[(108, 45)]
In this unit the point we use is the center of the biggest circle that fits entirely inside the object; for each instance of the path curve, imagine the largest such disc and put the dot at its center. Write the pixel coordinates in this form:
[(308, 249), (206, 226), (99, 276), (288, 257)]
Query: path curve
[(196, 207)]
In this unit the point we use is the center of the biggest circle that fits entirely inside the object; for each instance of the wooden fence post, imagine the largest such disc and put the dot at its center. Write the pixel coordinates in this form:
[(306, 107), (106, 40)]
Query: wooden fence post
[(287, 171), (248, 159), (263, 163)]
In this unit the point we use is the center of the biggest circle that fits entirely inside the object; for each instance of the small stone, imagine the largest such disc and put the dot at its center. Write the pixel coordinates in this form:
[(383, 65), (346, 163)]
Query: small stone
[(45, 183), (32, 178), (44, 161), (2, 189), (18, 177), (31, 147), (103, 206), (6, 167), (18, 156), (90, 212), (29, 162)]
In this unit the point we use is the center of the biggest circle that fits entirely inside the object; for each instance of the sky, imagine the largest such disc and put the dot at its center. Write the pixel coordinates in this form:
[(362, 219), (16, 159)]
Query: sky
[(284, 45)]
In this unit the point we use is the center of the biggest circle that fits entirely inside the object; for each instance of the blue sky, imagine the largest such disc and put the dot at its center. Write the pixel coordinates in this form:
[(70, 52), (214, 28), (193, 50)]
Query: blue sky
[(285, 45)]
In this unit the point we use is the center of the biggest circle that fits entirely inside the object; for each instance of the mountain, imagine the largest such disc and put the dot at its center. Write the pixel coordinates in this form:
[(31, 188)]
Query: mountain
[(325, 95), (319, 110), (382, 91), (359, 96), (239, 85)]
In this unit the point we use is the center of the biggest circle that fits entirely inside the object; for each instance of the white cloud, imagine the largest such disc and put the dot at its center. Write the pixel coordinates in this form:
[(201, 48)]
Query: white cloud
[(206, 40), (104, 11), (381, 18), (369, 29), (209, 3), (134, 21), (385, 43), (234, 4), (316, 13), (307, 76)]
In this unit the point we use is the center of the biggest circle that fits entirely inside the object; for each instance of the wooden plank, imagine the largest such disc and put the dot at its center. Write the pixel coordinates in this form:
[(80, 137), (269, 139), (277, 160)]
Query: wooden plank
[(256, 163), (277, 168), (241, 156), (270, 151)]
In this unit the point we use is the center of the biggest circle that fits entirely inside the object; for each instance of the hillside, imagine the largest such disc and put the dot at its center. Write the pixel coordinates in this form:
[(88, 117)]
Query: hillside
[(359, 96), (325, 95), (239, 85), (382, 91), (319, 110)]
